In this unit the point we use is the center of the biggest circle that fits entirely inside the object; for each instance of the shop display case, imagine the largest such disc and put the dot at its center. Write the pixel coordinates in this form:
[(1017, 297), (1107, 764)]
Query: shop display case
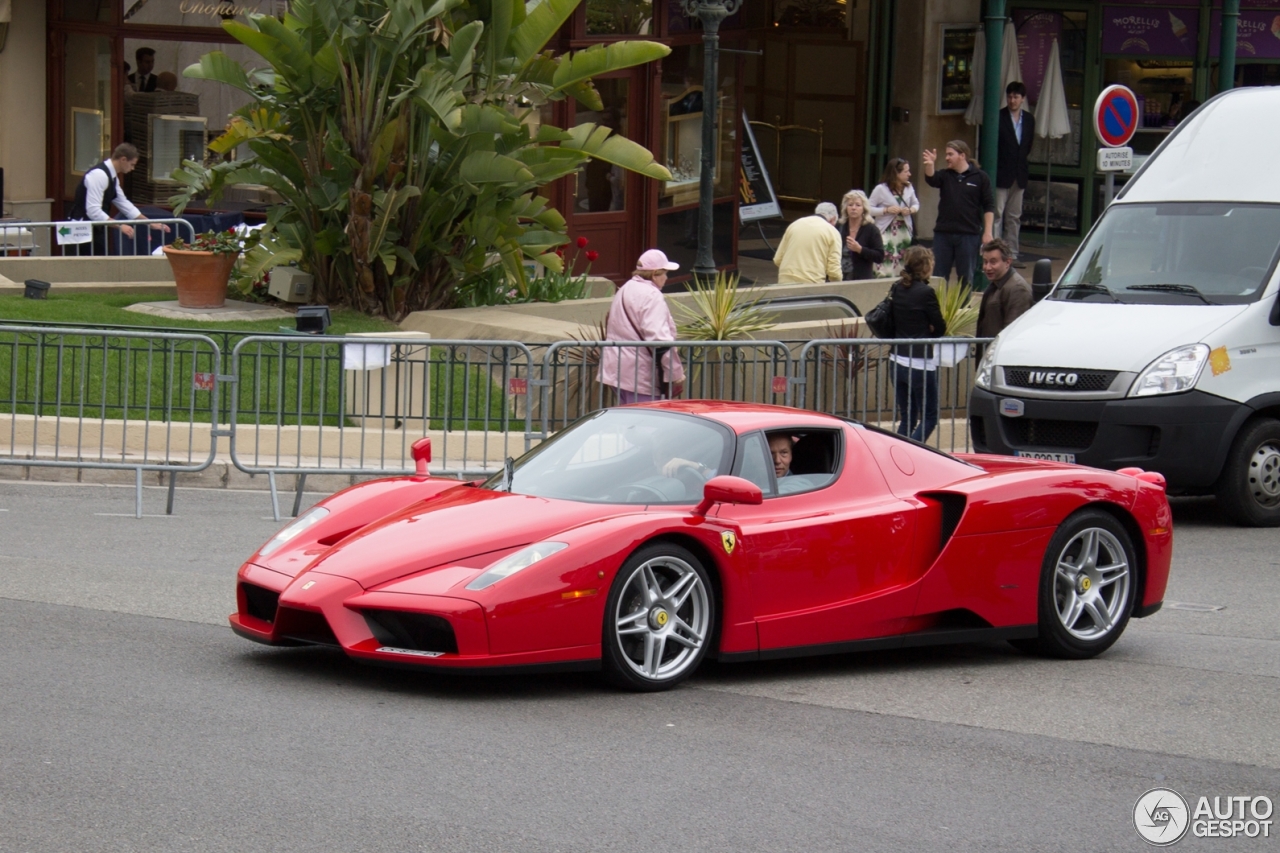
[(682, 132)]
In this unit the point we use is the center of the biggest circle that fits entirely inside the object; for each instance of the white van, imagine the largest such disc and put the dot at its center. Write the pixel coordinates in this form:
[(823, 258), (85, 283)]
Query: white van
[(1159, 347)]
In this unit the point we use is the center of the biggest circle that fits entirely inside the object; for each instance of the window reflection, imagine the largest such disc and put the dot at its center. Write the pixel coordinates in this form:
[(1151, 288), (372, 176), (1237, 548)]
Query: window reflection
[(619, 17)]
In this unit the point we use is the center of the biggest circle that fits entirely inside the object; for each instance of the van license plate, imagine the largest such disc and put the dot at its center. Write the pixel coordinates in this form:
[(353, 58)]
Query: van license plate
[(1051, 457)]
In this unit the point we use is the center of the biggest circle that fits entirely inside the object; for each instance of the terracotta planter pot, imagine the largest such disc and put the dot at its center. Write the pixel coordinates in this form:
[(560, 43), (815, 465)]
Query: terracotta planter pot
[(201, 277)]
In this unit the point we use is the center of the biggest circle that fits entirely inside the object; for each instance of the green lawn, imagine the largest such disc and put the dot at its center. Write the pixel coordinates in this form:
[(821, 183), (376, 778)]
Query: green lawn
[(107, 309), (301, 381)]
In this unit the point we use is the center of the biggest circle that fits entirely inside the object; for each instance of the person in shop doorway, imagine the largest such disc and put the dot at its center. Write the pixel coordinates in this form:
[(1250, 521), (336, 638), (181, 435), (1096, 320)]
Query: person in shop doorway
[(143, 80), (1017, 132), (1008, 297), (810, 249), (100, 189), (966, 210)]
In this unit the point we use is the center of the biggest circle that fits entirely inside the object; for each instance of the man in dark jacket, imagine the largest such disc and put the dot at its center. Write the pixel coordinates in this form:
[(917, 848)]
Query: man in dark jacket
[(1009, 295), (1017, 132), (966, 211)]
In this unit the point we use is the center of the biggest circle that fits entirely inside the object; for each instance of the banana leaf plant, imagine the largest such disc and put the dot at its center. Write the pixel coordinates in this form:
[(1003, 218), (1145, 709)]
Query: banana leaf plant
[(399, 135)]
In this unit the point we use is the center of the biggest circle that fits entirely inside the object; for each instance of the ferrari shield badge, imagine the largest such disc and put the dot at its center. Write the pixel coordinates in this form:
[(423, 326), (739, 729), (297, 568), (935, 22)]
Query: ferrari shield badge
[(728, 540)]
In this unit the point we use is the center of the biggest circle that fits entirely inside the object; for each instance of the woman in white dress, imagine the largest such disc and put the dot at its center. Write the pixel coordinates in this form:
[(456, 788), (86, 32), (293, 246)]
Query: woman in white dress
[(892, 203)]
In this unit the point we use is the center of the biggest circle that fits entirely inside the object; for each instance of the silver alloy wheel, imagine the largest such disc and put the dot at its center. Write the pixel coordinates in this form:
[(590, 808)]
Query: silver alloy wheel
[(662, 618), (1264, 474), (1091, 584)]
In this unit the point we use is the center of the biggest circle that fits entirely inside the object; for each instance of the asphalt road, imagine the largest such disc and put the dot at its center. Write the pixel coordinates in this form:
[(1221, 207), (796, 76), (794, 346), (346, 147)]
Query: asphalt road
[(132, 719)]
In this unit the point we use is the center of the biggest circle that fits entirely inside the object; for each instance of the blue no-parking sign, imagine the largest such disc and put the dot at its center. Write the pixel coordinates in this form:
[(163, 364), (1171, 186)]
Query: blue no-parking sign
[(1115, 116)]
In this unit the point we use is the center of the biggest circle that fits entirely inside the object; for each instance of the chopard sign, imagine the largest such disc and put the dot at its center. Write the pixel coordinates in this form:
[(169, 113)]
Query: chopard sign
[(1046, 377)]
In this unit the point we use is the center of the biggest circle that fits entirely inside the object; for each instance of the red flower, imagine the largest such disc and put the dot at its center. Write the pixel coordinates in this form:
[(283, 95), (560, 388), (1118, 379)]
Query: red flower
[(560, 251), (592, 256), (582, 242)]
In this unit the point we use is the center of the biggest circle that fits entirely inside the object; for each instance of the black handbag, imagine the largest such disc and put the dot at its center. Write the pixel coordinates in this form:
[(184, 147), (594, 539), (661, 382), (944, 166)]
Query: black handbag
[(880, 319)]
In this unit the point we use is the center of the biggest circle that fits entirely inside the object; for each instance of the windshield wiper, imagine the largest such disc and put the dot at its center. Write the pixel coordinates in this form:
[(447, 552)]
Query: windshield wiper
[(1090, 286), (1171, 288)]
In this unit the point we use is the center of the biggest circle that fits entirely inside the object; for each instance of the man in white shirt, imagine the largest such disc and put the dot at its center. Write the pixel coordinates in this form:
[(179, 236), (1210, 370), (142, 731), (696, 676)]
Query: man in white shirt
[(99, 189)]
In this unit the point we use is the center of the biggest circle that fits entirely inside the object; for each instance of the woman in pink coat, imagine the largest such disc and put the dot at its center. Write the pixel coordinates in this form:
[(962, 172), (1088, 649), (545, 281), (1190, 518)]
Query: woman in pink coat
[(639, 312)]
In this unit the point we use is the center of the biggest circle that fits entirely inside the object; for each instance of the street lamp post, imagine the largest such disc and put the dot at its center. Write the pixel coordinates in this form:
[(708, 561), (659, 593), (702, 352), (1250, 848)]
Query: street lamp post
[(710, 13)]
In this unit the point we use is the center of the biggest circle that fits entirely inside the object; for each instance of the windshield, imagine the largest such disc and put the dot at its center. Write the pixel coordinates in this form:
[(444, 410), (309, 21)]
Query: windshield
[(1180, 253), (624, 456)]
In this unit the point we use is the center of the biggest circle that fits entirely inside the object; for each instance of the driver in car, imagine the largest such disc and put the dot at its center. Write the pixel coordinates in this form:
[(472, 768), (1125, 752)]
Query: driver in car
[(780, 446)]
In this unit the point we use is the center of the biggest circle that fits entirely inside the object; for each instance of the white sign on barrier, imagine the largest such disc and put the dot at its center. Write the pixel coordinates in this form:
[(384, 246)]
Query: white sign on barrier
[(1115, 159), (72, 233)]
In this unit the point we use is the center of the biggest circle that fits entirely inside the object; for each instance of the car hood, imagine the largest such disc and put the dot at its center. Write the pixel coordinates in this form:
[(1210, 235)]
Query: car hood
[(455, 526), (1105, 335)]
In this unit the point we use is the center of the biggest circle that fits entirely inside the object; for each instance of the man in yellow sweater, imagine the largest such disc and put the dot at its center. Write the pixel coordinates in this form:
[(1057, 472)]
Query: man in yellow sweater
[(810, 249)]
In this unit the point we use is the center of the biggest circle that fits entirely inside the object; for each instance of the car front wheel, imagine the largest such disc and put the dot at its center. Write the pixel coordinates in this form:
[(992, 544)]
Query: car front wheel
[(1088, 583), (659, 619)]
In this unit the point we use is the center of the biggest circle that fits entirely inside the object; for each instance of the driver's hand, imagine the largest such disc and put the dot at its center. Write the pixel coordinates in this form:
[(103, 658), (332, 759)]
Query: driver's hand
[(672, 468)]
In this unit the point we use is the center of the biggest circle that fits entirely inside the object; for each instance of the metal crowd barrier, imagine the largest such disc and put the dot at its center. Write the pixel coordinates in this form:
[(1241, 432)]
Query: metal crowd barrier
[(21, 237), (299, 404), (108, 399), (860, 378), (749, 371), (329, 405)]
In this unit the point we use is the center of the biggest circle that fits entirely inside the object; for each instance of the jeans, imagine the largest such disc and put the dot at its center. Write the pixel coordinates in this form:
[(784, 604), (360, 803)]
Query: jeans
[(916, 401), (1009, 215), (962, 250)]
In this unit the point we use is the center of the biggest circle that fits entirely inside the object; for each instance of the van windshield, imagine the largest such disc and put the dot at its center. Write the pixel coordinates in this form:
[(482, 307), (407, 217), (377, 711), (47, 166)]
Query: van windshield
[(1219, 253)]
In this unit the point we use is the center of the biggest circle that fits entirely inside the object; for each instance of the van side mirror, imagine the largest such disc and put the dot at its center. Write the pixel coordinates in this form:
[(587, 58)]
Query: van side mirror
[(1275, 311), (1041, 279)]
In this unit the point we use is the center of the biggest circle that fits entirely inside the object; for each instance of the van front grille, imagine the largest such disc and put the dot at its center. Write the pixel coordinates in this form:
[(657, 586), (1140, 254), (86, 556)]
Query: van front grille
[(1059, 379)]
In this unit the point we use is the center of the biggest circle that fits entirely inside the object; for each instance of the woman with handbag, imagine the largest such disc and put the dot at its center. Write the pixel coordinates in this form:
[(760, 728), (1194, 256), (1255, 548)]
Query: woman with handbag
[(639, 312), (916, 314), (893, 202)]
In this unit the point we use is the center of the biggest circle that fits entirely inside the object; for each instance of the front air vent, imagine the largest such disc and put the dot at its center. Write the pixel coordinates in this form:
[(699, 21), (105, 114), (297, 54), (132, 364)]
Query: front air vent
[(1042, 432), (260, 603), (305, 626), (421, 632)]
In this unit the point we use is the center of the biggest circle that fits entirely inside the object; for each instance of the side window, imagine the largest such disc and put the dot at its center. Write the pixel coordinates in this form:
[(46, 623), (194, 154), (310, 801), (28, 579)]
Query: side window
[(756, 465), (815, 459)]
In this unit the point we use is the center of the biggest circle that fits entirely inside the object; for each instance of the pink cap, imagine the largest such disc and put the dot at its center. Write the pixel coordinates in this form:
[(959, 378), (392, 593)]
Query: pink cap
[(654, 259)]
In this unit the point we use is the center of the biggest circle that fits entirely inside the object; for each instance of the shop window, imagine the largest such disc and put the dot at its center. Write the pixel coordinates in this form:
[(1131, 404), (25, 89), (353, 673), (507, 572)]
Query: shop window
[(679, 22), (86, 10), (195, 13), (1037, 29), (680, 141), (88, 105), (619, 17), (601, 186)]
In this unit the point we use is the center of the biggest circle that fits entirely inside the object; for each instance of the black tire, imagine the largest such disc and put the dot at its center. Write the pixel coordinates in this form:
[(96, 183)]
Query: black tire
[(1249, 488), (1084, 608), (654, 640)]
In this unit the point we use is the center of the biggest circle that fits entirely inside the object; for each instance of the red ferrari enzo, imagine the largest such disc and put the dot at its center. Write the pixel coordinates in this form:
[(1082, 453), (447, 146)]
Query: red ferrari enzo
[(644, 538)]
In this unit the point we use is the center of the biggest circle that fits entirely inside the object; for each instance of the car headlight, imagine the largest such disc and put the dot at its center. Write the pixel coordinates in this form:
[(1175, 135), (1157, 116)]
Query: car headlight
[(1176, 371), (291, 531), (987, 367), (522, 559)]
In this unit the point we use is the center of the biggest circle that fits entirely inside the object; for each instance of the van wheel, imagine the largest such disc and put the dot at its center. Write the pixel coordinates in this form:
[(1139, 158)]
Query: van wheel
[(1249, 488)]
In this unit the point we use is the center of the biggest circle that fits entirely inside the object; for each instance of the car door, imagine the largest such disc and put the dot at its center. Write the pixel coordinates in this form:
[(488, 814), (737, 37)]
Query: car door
[(828, 565)]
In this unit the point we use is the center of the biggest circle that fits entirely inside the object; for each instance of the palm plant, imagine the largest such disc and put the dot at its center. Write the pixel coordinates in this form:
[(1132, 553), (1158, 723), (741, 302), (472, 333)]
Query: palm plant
[(958, 310), (720, 311), (400, 135)]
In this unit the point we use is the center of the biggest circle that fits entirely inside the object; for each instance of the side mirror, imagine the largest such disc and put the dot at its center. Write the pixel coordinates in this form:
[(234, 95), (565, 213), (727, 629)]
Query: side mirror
[(728, 490), (1041, 279), (421, 450)]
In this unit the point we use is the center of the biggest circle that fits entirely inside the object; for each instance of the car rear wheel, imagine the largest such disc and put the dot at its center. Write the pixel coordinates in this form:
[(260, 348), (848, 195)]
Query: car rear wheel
[(659, 619), (1088, 582), (1249, 488)]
